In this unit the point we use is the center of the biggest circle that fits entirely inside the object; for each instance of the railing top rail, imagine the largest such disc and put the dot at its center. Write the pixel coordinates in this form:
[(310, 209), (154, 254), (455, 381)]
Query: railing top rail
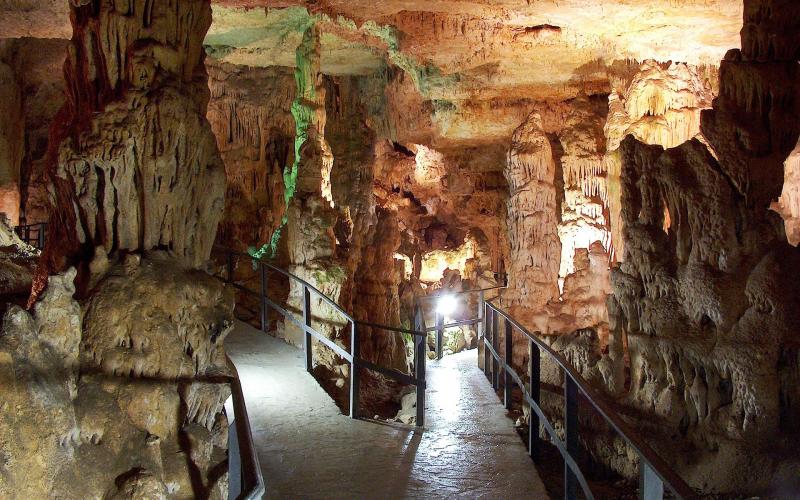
[(454, 324), (443, 291), (32, 225), (291, 276), (253, 486), (645, 452), (319, 293), (396, 329)]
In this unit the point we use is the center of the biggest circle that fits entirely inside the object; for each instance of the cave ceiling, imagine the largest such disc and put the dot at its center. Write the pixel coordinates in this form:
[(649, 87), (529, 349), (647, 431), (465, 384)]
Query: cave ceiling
[(470, 59), (491, 47)]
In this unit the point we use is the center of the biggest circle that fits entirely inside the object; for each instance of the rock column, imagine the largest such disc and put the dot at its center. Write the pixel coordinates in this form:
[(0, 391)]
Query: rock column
[(115, 381)]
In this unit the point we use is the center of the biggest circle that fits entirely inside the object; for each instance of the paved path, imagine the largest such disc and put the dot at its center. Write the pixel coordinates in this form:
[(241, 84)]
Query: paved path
[(308, 449)]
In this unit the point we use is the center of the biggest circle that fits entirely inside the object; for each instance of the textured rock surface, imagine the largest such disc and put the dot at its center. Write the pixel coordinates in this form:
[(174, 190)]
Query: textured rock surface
[(12, 143), (558, 218), (701, 294), (18, 263), (115, 383), (121, 416), (660, 106), (789, 203), (36, 65), (145, 172), (392, 149), (535, 249), (171, 339), (250, 116)]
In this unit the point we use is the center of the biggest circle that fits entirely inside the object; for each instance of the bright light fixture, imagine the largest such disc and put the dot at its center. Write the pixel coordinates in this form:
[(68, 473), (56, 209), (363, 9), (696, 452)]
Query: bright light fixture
[(446, 305)]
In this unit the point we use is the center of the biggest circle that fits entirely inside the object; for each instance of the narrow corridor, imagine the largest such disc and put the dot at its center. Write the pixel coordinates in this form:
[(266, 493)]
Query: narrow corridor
[(308, 449)]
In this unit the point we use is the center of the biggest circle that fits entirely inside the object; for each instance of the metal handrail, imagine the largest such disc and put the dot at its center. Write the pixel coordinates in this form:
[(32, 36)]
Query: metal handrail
[(440, 326), (24, 233), (246, 481), (353, 356), (654, 473), (445, 291)]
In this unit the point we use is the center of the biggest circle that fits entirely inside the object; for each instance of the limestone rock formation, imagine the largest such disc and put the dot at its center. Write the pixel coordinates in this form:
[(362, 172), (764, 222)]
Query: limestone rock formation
[(11, 141), (117, 379), (148, 386), (535, 249), (156, 347), (557, 212), (708, 304), (596, 155), (788, 206), (18, 263), (250, 116), (137, 165), (35, 65), (661, 105)]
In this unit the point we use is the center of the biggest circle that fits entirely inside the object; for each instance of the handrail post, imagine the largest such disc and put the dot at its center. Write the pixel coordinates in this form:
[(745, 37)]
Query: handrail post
[(487, 333), (40, 237), (234, 459), (508, 381), (307, 323), (479, 327), (229, 266), (495, 344), (534, 373), (439, 334), (355, 377), (264, 316), (420, 358), (481, 312), (570, 435), (651, 487)]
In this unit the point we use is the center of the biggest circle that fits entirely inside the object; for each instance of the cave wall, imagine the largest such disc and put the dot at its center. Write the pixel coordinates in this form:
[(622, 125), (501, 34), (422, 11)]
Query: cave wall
[(115, 377), (12, 140), (39, 64), (121, 178), (363, 195), (250, 116), (559, 198), (707, 300), (346, 177)]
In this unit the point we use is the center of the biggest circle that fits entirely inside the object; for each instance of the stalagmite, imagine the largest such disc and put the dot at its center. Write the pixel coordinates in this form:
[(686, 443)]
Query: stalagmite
[(532, 212), (108, 378)]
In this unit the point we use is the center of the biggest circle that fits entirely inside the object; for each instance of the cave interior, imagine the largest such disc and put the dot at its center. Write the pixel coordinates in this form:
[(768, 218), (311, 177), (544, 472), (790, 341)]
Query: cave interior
[(619, 177)]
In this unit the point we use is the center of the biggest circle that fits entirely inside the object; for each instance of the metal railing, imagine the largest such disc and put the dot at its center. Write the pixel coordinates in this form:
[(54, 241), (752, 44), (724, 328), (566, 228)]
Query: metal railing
[(245, 481), (33, 234), (655, 476), (439, 319), (305, 324), (654, 473)]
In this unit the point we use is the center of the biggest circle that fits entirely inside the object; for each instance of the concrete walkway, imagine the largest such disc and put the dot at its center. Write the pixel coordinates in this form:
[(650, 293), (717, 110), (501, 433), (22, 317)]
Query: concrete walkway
[(308, 449)]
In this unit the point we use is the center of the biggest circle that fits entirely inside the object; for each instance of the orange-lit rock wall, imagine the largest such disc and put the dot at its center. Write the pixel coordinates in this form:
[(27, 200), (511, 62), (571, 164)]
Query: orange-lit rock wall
[(707, 301), (250, 118), (12, 145)]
